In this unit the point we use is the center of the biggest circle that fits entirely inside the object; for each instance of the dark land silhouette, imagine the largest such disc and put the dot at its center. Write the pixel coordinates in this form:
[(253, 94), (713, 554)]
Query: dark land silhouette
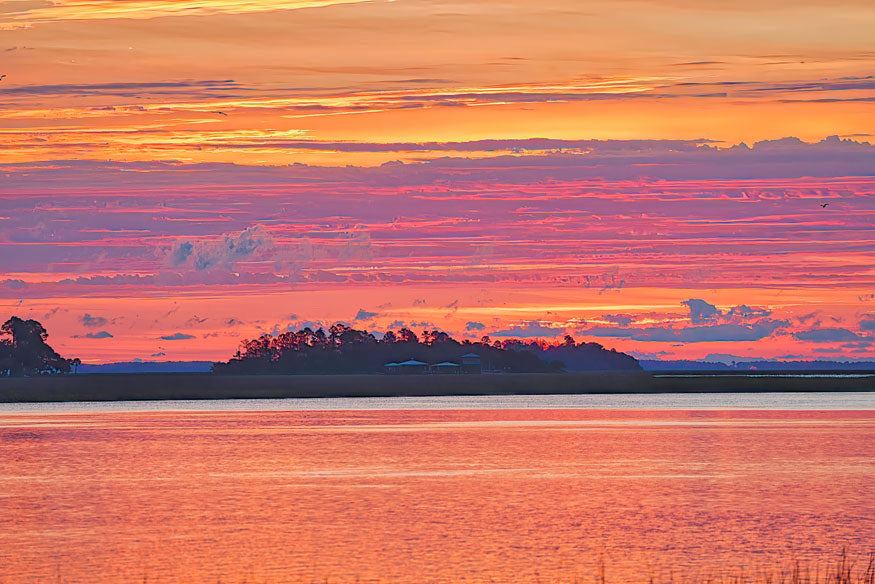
[(198, 386), (345, 362), (749, 366), (147, 367), (345, 350), (24, 351)]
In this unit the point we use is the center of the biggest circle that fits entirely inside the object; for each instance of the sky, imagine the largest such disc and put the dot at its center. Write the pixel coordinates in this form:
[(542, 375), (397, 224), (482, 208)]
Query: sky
[(673, 179)]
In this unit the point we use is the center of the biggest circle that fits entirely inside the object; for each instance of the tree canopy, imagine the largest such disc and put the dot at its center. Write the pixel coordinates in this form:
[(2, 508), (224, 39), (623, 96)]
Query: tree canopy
[(24, 351), (579, 356), (346, 350)]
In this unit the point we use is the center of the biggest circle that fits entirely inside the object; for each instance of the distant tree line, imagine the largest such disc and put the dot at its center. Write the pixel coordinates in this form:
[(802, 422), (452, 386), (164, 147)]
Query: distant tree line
[(24, 351), (345, 350), (756, 365), (577, 356)]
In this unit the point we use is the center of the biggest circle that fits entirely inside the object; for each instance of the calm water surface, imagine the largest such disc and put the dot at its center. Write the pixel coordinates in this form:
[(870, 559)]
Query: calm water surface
[(432, 489)]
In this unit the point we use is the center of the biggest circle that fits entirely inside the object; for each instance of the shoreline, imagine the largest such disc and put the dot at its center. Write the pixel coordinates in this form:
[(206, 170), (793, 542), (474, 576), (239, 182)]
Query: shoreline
[(206, 386)]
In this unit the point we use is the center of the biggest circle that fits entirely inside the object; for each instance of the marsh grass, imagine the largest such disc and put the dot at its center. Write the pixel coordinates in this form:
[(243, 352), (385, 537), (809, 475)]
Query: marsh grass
[(843, 569)]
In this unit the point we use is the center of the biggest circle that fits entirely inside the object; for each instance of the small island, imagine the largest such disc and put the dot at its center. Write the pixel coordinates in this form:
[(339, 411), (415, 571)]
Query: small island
[(345, 350)]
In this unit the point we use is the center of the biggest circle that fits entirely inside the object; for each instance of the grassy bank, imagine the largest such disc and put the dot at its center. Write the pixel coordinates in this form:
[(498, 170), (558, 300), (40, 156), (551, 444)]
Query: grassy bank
[(111, 387)]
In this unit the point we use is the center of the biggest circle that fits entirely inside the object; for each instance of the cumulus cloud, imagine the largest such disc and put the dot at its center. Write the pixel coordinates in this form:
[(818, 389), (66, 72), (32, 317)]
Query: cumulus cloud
[(229, 248), (701, 311), (177, 337), (357, 246), (474, 326), (181, 252)]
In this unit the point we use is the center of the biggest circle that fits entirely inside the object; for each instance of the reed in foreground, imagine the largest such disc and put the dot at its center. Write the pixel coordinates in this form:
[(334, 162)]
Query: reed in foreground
[(842, 570)]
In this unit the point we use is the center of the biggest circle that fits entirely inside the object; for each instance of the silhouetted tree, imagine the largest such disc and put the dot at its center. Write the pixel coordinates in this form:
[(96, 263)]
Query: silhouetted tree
[(406, 335), (347, 350), (25, 351)]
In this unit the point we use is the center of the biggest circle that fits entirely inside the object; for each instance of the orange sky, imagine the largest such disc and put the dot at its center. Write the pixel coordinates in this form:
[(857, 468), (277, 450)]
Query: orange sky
[(132, 128)]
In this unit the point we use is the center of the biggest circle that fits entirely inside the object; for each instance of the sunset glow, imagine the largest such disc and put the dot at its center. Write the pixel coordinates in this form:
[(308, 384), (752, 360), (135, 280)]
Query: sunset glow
[(177, 176)]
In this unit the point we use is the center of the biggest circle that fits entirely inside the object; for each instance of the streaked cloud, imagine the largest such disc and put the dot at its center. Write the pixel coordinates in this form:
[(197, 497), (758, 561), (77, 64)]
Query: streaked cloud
[(828, 335), (661, 178), (20, 14), (694, 334)]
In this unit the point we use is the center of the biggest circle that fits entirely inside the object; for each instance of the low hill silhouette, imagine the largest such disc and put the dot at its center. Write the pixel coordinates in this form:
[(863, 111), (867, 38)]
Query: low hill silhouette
[(578, 356), (147, 367)]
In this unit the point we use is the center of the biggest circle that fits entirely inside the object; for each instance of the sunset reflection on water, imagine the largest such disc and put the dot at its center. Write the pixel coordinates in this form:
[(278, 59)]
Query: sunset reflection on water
[(428, 496)]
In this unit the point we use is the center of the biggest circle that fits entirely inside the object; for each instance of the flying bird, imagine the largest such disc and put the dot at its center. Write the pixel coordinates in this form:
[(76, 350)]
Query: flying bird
[(2, 77), (824, 205), (220, 113)]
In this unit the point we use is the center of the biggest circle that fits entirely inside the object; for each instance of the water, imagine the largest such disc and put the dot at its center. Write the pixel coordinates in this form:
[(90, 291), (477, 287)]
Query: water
[(480, 489), (673, 401)]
